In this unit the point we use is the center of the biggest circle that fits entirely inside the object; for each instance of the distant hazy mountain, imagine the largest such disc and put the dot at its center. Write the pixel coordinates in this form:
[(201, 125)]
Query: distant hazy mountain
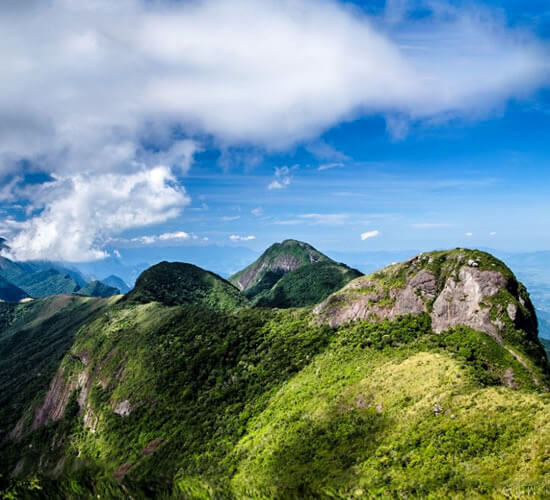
[(9, 292), (222, 260), (116, 282), (98, 289)]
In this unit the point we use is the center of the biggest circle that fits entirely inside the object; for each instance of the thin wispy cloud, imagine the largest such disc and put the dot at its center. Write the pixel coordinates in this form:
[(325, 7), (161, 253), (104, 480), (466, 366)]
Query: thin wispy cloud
[(257, 212), (326, 219), (328, 166), (283, 178), (236, 237), (370, 234)]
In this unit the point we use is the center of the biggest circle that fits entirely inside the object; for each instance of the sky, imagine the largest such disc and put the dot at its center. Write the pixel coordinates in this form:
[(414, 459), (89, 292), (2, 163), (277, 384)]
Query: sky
[(355, 126)]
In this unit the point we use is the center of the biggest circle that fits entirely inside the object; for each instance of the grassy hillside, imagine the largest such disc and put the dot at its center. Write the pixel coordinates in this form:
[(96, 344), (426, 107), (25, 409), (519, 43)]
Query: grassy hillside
[(173, 393), (306, 285), (176, 283)]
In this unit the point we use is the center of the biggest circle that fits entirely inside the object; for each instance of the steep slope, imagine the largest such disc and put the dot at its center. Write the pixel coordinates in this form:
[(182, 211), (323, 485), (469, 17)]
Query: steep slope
[(176, 283), (98, 289), (278, 259), (304, 286), (34, 337), (116, 282), (158, 399), (9, 292)]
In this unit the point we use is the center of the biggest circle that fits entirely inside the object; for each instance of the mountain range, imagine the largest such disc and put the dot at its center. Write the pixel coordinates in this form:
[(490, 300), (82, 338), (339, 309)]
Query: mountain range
[(424, 379), (38, 279)]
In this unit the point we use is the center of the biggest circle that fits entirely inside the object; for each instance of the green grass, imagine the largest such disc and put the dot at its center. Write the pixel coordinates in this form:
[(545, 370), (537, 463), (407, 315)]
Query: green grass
[(263, 403)]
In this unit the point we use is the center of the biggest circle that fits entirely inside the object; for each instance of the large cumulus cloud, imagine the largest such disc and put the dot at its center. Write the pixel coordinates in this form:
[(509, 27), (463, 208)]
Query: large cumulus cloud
[(85, 84)]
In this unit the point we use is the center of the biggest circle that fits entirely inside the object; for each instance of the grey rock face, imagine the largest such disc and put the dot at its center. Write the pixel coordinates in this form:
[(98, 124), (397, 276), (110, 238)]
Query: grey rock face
[(461, 301), (460, 293), (366, 303)]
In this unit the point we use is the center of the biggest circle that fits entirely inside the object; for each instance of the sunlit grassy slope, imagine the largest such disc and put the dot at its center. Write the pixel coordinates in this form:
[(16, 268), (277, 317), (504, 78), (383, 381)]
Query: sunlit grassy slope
[(182, 395)]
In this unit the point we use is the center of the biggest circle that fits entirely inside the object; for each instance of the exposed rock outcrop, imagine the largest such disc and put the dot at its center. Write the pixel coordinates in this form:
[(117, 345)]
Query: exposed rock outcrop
[(459, 287)]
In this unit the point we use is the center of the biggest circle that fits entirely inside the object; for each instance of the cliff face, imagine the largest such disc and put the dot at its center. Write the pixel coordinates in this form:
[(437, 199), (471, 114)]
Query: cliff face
[(458, 287)]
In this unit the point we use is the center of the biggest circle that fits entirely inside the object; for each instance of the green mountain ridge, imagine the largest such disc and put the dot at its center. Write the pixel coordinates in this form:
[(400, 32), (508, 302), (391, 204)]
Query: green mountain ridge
[(41, 279), (307, 285), (292, 274), (183, 389), (176, 283)]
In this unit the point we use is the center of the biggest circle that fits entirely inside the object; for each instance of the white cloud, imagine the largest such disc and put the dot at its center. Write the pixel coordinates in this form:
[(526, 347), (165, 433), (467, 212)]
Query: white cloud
[(492, 233), (179, 235), (77, 214), (289, 222), (283, 177), (370, 234), (468, 235), (86, 84), (235, 237), (229, 218), (257, 212), (76, 80)]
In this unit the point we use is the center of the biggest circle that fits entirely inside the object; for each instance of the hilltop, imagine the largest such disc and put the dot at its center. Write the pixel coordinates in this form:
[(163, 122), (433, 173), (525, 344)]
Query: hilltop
[(176, 283), (278, 258), (425, 379), (292, 274)]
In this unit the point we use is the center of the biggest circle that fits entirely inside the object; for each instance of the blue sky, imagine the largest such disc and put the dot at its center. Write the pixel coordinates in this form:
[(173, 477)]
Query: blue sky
[(379, 126)]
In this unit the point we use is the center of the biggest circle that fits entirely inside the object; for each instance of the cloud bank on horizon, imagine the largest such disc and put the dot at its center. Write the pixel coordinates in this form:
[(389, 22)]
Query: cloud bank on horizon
[(87, 87)]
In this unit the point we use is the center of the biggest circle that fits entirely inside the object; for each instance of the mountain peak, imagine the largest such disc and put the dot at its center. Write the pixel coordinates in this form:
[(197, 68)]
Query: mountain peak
[(178, 283), (455, 287), (279, 258)]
